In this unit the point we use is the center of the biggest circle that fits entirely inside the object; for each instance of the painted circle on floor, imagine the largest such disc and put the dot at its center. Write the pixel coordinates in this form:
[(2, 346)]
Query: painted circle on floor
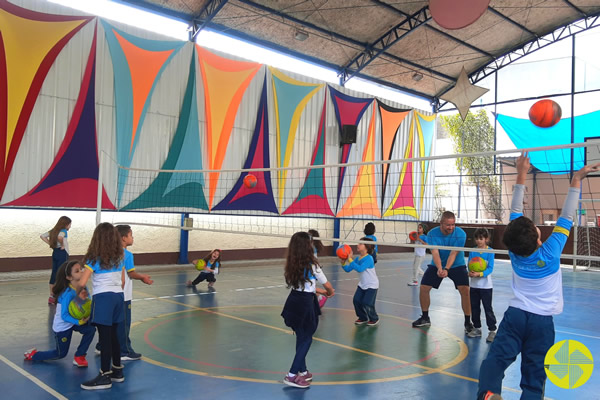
[(251, 343)]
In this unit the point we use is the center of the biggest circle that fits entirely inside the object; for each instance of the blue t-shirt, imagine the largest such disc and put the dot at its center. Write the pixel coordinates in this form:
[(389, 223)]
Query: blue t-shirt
[(372, 237), (457, 238)]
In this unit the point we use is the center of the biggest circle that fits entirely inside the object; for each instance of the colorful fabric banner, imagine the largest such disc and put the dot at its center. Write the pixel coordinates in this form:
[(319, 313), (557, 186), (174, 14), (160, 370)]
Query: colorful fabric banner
[(225, 82), (403, 201), (425, 131), (363, 198), (259, 197), (348, 111), (138, 65), (291, 97), (29, 44), (182, 190), (523, 133), (312, 198), (72, 180), (391, 119)]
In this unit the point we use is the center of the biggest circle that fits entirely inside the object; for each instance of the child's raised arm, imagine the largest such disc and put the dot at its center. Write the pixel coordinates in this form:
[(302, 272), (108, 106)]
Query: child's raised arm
[(516, 206)]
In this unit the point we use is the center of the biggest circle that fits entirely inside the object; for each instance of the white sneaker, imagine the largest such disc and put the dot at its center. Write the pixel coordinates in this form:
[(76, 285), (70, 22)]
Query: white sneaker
[(475, 332), (491, 337), (413, 283)]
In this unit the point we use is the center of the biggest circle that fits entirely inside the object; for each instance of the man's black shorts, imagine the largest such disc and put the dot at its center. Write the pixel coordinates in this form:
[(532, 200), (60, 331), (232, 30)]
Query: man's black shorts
[(459, 276)]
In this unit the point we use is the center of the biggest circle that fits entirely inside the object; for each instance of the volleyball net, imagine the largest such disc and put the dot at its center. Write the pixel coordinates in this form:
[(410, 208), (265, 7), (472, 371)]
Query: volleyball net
[(270, 204)]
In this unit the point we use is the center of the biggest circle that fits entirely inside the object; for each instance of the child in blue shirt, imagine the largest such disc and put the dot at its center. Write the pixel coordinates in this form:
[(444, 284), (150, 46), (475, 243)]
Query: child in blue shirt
[(366, 292), (369, 232), (481, 288), (527, 327), (212, 267), (65, 290)]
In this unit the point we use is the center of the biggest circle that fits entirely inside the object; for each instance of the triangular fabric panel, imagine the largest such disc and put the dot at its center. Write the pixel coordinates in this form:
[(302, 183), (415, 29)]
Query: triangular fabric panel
[(138, 64), (363, 198), (312, 198), (523, 133), (72, 180), (260, 197), (180, 189), (291, 97), (425, 129), (348, 111), (29, 44), (391, 118), (403, 202), (225, 82)]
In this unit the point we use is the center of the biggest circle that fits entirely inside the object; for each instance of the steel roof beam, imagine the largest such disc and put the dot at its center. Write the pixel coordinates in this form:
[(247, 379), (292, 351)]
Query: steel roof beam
[(374, 50), (574, 7), (206, 15), (433, 28), (513, 22)]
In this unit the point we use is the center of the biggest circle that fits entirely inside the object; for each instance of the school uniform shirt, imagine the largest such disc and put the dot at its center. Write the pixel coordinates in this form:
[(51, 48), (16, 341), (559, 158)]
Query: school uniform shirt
[(128, 265), (537, 279), (214, 266), (375, 249), (63, 234), (457, 238), (420, 251), (485, 281), (106, 280), (366, 270), (315, 274), (62, 319)]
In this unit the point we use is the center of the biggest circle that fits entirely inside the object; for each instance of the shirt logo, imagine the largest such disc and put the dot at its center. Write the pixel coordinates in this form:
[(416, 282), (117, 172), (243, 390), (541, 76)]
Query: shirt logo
[(64, 340), (568, 364), (541, 263)]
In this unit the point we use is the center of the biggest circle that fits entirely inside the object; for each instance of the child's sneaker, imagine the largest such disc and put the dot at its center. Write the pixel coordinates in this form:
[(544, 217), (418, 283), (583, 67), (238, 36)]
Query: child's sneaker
[(29, 354), (132, 356), (491, 337), (322, 300), (307, 375), (422, 321), (469, 328), (476, 332), (117, 374), (360, 322), (296, 381), (102, 381), (373, 323), (492, 396), (80, 361), (413, 283), (51, 301), (211, 284)]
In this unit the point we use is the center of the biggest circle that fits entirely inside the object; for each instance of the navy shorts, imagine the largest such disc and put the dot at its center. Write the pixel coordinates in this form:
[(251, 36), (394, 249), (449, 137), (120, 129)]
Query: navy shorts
[(107, 309), (459, 276)]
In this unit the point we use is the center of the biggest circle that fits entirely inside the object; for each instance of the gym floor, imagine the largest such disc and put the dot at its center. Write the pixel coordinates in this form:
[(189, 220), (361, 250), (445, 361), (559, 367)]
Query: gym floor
[(231, 343)]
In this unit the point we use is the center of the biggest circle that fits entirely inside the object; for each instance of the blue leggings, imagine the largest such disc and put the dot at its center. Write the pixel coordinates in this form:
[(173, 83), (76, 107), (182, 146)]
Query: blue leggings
[(63, 341), (523, 332)]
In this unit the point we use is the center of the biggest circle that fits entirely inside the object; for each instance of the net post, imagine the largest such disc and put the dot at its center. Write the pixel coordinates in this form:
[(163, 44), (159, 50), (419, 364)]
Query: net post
[(575, 241), (186, 222), (99, 192)]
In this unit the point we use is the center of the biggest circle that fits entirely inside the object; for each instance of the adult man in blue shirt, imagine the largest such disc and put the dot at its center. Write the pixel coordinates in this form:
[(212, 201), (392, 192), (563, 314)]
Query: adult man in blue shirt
[(446, 263)]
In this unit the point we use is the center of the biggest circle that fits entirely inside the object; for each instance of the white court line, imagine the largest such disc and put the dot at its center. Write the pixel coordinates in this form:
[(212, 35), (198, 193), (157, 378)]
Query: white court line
[(578, 334), (32, 378)]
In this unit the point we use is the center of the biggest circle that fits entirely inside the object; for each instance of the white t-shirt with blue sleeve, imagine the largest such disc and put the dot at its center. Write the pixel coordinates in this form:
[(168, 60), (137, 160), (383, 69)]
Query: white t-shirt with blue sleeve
[(129, 266), (485, 281), (106, 280), (315, 274)]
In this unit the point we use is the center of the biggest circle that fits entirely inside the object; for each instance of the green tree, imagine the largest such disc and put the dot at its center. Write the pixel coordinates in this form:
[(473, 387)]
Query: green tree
[(473, 135)]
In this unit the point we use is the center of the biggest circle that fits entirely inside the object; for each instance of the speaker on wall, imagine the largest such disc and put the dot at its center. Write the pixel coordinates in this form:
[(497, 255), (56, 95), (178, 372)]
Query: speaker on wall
[(348, 134)]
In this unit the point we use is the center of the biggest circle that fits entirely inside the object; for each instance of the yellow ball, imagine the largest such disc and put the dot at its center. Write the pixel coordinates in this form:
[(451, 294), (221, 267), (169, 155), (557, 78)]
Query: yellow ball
[(200, 265), (80, 309), (477, 264)]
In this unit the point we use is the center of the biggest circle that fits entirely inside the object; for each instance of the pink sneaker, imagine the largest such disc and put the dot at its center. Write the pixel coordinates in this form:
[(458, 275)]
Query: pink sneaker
[(296, 381), (51, 301), (29, 354), (360, 322), (307, 375), (322, 300)]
